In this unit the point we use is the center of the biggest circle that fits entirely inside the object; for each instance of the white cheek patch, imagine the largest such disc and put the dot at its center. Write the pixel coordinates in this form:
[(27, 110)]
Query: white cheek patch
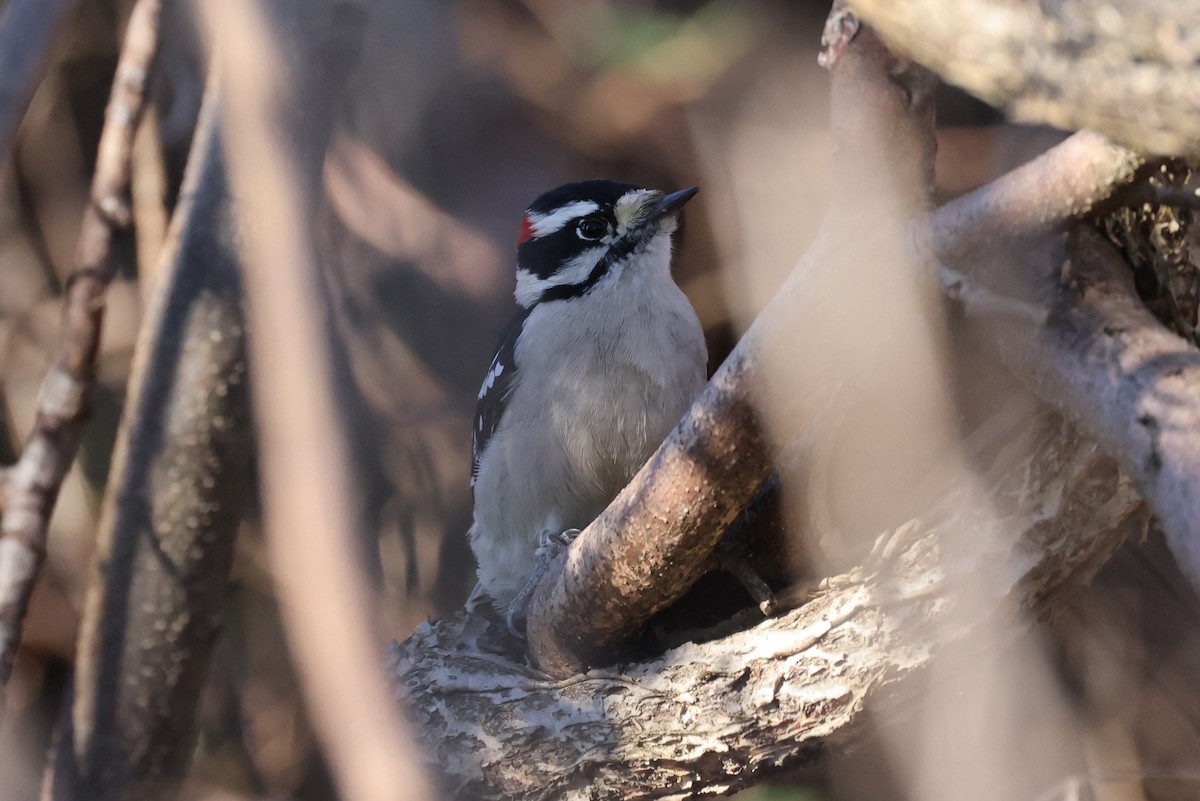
[(551, 221), (530, 287), (628, 208)]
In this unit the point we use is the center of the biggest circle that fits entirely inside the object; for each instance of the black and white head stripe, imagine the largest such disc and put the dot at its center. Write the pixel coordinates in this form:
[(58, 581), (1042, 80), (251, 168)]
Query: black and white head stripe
[(571, 236), (497, 388)]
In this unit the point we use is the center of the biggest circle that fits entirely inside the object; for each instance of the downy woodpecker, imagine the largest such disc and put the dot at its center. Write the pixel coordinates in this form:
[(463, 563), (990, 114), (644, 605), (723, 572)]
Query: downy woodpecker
[(600, 363)]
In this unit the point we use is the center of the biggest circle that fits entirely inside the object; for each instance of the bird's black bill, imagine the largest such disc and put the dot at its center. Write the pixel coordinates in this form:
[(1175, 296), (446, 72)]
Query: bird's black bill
[(674, 202)]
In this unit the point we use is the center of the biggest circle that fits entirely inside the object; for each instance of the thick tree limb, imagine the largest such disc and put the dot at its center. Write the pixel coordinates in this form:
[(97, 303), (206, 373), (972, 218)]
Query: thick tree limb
[(286, 67), (29, 30), (176, 493), (32, 484), (1128, 70), (1127, 381), (714, 717)]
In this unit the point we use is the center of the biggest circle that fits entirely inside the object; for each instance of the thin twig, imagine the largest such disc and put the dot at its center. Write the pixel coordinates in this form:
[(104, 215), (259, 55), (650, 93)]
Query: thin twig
[(35, 480)]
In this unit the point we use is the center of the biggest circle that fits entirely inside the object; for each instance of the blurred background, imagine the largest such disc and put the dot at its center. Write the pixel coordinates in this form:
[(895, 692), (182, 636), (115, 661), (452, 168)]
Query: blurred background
[(459, 114)]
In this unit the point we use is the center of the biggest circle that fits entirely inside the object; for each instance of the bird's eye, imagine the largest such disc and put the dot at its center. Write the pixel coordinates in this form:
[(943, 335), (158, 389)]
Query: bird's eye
[(591, 228)]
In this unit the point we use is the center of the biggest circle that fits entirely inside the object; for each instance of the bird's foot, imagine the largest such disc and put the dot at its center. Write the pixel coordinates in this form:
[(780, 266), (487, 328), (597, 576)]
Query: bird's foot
[(550, 545)]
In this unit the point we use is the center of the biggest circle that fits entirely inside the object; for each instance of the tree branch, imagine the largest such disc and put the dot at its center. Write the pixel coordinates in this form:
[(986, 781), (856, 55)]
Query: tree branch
[(33, 482), (175, 496), (1125, 379), (639, 561), (1128, 71), (714, 717)]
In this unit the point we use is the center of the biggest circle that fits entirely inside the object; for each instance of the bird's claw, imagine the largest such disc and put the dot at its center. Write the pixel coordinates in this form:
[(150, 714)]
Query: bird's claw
[(550, 545)]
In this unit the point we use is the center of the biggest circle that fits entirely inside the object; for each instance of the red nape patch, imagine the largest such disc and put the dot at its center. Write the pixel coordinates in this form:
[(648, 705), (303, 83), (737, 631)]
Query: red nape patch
[(526, 232)]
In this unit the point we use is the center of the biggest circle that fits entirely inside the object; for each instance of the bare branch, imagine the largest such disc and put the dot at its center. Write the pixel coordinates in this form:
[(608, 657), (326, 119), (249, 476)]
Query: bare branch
[(63, 401), (1033, 201), (285, 69), (1106, 363), (29, 30), (713, 717), (1127, 70)]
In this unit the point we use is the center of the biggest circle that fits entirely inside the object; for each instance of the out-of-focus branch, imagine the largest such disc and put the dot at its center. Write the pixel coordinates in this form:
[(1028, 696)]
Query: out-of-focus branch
[(29, 30), (1119, 374), (1127, 70), (33, 482), (175, 495), (286, 67), (710, 718), (1033, 201)]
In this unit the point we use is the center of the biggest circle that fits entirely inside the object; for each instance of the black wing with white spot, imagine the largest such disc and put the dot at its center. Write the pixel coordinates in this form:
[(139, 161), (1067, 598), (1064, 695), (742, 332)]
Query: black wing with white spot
[(497, 388)]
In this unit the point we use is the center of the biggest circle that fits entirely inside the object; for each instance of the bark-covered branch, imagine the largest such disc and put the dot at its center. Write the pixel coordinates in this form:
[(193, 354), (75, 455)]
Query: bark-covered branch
[(176, 493), (714, 717), (32, 484), (1128, 70), (1124, 379)]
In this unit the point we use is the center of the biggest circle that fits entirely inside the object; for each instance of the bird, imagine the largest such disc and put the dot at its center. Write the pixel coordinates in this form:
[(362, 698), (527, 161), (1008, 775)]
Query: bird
[(601, 361)]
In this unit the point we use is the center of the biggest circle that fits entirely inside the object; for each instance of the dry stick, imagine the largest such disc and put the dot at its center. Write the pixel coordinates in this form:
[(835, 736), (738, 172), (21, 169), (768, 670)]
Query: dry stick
[(1033, 201), (28, 32), (277, 79), (33, 482), (175, 495)]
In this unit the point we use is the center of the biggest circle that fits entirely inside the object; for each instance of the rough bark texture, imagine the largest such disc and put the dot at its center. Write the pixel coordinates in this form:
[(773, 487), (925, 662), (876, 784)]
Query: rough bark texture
[(713, 717), (32, 484), (1128, 70), (167, 533)]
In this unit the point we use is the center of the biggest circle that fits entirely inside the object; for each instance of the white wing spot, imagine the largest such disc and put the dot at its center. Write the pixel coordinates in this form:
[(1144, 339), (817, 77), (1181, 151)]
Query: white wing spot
[(490, 380)]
